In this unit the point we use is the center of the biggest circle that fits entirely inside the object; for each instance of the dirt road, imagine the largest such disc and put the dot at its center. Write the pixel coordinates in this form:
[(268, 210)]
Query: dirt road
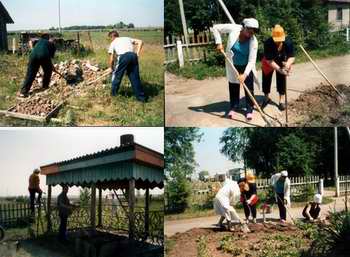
[(180, 226), (204, 103)]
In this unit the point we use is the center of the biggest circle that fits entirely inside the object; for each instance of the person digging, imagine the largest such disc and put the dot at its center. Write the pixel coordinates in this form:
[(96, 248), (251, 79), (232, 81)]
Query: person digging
[(122, 58), (222, 205), (249, 196), (281, 185), (242, 47), (41, 55), (311, 211), (279, 57)]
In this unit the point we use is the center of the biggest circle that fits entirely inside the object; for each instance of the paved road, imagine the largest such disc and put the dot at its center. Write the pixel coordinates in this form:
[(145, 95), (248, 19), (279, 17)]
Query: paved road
[(180, 226), (203, 103)]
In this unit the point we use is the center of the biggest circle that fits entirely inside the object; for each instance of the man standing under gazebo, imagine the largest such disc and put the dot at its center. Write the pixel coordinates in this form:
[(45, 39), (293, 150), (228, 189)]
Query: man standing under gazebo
[(64, 210)]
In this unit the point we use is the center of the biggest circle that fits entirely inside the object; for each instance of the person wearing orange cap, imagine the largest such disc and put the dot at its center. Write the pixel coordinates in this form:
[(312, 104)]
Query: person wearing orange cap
[(34, 188), (242, 47), (279, 57), (249, 197)]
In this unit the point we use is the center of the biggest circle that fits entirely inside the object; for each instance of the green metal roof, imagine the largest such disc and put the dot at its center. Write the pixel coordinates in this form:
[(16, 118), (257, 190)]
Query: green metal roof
[(110, 168)]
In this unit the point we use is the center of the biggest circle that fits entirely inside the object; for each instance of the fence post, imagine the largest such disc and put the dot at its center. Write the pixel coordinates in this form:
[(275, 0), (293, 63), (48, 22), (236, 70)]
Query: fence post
[(321, 188), (13, 45), (337, 187), (180, 53)]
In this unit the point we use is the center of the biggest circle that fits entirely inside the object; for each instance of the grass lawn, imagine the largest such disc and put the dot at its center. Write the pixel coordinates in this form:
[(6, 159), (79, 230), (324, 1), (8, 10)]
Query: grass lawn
[(94, 106)]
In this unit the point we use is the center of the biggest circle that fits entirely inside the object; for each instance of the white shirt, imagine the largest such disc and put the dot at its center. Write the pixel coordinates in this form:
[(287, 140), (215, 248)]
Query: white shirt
[(121, 45), (229, 192), (233, 31)]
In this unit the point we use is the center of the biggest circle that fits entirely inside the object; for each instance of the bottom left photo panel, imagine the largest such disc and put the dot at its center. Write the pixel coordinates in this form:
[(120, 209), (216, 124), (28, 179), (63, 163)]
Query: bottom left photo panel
[(67, 192)]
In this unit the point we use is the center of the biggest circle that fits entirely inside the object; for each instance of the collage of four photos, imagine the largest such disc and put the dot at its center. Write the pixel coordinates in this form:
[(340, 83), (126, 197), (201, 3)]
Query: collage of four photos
[(190, 128)]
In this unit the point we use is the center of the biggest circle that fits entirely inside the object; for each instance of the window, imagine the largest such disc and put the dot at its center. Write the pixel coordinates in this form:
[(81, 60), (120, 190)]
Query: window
[(339, 14)]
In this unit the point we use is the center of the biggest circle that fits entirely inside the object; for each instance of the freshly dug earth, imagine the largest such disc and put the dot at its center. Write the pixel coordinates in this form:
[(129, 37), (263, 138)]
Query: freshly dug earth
[(321, 106), (265, 240), (35, 106)]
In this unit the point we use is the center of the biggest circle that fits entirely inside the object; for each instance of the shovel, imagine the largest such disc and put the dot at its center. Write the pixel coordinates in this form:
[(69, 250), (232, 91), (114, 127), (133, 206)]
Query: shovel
[(66, 78), (341, 95), (265, 118)]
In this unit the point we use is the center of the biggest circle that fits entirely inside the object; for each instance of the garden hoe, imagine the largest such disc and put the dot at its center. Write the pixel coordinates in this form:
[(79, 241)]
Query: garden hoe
[(263, 115), (341, 99)]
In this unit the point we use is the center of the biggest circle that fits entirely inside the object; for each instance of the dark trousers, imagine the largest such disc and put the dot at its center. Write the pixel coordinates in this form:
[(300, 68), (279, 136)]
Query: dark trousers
[(280, 81), (235, 88), (128, 63), (62, 233), (32, 193), (281, 207), (251, 209), (33, 68)]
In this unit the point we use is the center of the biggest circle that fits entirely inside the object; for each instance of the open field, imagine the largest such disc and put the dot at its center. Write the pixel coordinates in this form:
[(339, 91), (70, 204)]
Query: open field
[(93, 105)]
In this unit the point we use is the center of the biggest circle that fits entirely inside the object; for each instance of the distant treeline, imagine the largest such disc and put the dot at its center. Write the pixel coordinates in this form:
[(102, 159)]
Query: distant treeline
[(120, 25)]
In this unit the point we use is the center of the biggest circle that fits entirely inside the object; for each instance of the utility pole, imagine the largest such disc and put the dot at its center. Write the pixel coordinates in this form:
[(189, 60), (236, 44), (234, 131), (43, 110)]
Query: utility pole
[(59, 16), (183, 20), (336, 161)]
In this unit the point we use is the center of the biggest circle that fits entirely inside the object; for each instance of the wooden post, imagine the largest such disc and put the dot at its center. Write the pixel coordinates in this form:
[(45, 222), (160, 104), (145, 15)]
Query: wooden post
[(99, 223), (147, 213), (78, 49), (13, 45), (93, 207), (131, 194), (321, 189), (49, 223), (336, 179), (90, 40), (180, 54)]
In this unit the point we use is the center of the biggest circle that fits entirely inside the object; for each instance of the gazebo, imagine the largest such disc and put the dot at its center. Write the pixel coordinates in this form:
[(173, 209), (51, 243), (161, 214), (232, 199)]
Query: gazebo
[(127, 167)]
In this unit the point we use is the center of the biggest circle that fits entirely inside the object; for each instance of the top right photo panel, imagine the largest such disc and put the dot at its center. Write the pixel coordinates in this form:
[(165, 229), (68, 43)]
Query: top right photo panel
[(265, 63)]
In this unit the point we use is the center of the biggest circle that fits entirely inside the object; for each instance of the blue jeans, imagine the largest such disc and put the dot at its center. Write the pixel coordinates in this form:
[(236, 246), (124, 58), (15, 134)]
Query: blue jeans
[(128, 63)]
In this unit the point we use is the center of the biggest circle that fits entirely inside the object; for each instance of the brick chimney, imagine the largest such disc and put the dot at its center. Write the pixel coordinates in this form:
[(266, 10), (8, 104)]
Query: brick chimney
[(127, 139)]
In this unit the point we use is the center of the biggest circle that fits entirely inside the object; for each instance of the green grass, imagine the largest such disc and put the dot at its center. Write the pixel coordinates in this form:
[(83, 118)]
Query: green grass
[(201, 70), (96, 106)]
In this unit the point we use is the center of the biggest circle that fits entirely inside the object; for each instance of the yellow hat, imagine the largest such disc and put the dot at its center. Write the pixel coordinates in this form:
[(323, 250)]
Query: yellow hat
[(278, 34), (250, 178)]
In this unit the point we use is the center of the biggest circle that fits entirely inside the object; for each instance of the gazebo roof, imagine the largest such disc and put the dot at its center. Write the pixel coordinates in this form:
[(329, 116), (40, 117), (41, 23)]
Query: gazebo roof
[(4, 13), (110, 168)]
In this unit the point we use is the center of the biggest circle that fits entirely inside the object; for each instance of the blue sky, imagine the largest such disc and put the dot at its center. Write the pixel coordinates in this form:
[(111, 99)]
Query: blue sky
[(208, 154), (43, 14), (23, 149)]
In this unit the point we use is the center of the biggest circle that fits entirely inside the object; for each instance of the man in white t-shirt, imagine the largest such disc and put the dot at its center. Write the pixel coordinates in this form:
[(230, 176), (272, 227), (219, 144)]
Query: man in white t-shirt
[(122, 58)]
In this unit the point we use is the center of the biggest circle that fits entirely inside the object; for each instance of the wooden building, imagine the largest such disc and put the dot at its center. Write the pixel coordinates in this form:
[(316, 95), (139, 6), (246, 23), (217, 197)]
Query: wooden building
[(5, 19)]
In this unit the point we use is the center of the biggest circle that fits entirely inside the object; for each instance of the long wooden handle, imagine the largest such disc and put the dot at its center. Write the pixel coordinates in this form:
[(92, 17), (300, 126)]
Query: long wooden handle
[(247, 90), (223, 6), (319, 70), (99, 78)]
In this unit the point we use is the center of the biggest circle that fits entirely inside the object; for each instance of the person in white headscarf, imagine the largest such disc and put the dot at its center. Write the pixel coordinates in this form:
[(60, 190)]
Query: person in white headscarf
[(311, 211), (281, 186), (222, 203)]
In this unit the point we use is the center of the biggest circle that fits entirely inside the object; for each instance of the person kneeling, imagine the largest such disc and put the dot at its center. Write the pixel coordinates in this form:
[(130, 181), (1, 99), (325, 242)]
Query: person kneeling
[(312, 210)]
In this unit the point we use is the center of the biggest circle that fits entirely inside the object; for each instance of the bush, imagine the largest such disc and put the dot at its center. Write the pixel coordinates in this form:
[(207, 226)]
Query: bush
[(332, 240), (305, 194)]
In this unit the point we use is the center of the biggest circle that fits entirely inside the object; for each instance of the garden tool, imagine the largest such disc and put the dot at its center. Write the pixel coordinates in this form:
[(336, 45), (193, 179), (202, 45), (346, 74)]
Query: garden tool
[(105, 74), (265, 117), (67, 78), (342, 97)]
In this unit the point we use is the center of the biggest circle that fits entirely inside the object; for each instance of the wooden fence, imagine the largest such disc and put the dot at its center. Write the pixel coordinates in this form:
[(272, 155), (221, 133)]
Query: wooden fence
[(15, 214), (195, 50), (343, 185)]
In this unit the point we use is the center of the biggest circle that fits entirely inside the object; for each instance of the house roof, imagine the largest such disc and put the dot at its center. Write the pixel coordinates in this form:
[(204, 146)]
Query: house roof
[(4, 13), (110, 168)]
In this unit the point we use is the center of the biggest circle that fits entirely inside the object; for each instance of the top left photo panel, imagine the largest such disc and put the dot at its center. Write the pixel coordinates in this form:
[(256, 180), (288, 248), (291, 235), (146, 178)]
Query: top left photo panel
[(81, 63)]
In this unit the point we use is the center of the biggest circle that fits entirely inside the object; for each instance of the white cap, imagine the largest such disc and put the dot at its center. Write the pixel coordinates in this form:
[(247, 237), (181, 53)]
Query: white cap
[(250, 23), (318, 198), (284, 173)]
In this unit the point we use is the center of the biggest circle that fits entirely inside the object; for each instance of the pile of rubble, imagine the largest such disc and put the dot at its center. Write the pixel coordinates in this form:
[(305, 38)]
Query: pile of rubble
[(37, 105), (74, 72)]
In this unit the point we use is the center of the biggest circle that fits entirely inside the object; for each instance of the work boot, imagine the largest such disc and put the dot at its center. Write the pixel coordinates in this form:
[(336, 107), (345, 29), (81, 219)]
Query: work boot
[(254, 220), (229, 226)]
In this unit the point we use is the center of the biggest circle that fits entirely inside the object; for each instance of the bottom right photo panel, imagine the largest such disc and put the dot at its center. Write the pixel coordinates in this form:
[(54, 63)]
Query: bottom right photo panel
[(257, 192)]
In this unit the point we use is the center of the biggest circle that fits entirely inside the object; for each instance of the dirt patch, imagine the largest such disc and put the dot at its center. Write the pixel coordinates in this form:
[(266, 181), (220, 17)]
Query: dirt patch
[(321, 106), (35, 106), (264, 240)]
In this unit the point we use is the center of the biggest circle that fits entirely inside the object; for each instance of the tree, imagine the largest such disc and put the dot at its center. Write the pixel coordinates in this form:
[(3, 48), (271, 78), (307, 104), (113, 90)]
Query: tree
[(202, 174), (131, 26), (179, 163), (84, 197)]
